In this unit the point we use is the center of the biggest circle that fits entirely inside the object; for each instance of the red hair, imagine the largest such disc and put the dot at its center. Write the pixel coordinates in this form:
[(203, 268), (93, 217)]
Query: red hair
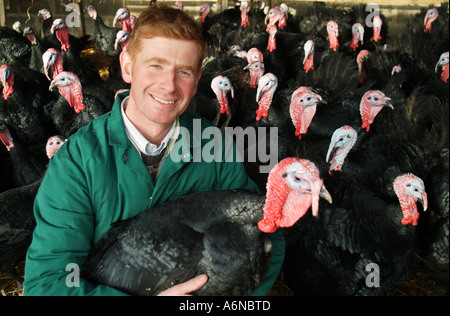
[(168, 22)]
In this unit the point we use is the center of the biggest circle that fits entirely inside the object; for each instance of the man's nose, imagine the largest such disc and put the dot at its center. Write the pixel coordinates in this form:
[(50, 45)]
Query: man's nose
[(168, 81)]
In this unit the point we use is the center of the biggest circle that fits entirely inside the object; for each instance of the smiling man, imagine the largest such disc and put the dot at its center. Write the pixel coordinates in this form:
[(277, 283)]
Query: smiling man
[(121, 163)]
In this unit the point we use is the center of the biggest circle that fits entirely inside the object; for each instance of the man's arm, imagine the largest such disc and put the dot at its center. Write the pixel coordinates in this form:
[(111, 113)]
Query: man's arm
[(63, 234)]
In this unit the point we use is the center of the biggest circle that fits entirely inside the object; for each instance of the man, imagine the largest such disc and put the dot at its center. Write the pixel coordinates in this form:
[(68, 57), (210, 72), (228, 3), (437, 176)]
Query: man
[(137, 156)]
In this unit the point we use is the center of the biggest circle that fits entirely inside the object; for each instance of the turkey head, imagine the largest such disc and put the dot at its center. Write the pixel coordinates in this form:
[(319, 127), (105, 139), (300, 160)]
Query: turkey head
[(53, 144), (255, 65), (430, 17), (342, 141), (122, 39), (371, 104), (7, 79), (377, 23), (333, 33), (303, 108), (363, 55), (203, 11), (272, 17), (283, 16), (69, 86), (357, 35), (409, 189), (221, 85), (244, 15), (267, 85), (443, 62), (52, 60), (308, 61), (62, 33), (293, 186), (123, 17)]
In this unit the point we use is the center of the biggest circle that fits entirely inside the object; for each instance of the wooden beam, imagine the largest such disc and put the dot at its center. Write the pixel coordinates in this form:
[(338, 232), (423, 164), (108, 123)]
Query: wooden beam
[(2, 14)]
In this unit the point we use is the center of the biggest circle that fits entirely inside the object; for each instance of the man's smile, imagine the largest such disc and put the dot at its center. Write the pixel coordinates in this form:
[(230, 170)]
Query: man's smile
[(161, 100)]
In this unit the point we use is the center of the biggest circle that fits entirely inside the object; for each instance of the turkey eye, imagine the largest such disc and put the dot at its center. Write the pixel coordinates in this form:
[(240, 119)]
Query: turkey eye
[(284, 175), (51, 144), (408, 185), (376, 99), (308, 99), (348, 136), (369, 98)]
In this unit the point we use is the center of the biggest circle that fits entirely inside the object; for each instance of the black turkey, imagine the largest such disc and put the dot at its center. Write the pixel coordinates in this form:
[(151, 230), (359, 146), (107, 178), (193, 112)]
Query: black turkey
[(17, 220), (14, 48), (104, 36), (173, 242)]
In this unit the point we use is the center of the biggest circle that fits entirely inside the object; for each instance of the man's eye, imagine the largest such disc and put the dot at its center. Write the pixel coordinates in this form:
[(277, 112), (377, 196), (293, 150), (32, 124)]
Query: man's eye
[(185, 74)]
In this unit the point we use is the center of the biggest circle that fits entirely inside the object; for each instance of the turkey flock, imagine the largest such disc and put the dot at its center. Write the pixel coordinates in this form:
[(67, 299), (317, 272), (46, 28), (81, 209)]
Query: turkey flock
[(365, 105)]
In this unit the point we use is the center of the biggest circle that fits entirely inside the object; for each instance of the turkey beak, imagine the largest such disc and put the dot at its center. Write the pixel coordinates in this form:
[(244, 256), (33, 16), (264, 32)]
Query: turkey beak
[(4, 75), (260, 92), (427, 17), (332, 149), (319, 192), (53, 84), (119, 13), (442, 61), (47, 67), (388, 103), (437, 66), (319, 98), (424, 201), (360, 33), (324, 194), (308, 53), (119, 39)]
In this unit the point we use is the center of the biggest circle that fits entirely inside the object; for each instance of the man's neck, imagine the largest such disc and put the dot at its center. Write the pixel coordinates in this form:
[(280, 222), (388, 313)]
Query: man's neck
[(152, 131)]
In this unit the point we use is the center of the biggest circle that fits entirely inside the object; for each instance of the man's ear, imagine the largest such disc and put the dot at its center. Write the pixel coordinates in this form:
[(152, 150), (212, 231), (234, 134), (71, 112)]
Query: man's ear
[(126, 66)]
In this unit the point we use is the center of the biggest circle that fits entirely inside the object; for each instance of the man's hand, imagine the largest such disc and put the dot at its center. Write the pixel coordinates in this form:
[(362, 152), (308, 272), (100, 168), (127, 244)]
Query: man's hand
[(185, 288)]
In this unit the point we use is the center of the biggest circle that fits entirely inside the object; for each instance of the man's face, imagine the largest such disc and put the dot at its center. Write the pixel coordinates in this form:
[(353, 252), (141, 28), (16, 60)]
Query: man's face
[(164, 75)]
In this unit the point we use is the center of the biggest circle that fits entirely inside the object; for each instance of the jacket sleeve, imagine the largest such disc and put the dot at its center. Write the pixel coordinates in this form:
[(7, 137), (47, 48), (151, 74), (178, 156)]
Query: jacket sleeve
[(63, 235), (233, 177)]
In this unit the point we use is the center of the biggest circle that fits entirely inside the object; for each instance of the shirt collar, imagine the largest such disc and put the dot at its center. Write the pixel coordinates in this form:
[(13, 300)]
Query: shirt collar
[(141, 143)]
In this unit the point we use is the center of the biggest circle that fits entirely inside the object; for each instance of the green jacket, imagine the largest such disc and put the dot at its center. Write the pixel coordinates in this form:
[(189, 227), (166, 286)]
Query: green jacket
[(97, 178)]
